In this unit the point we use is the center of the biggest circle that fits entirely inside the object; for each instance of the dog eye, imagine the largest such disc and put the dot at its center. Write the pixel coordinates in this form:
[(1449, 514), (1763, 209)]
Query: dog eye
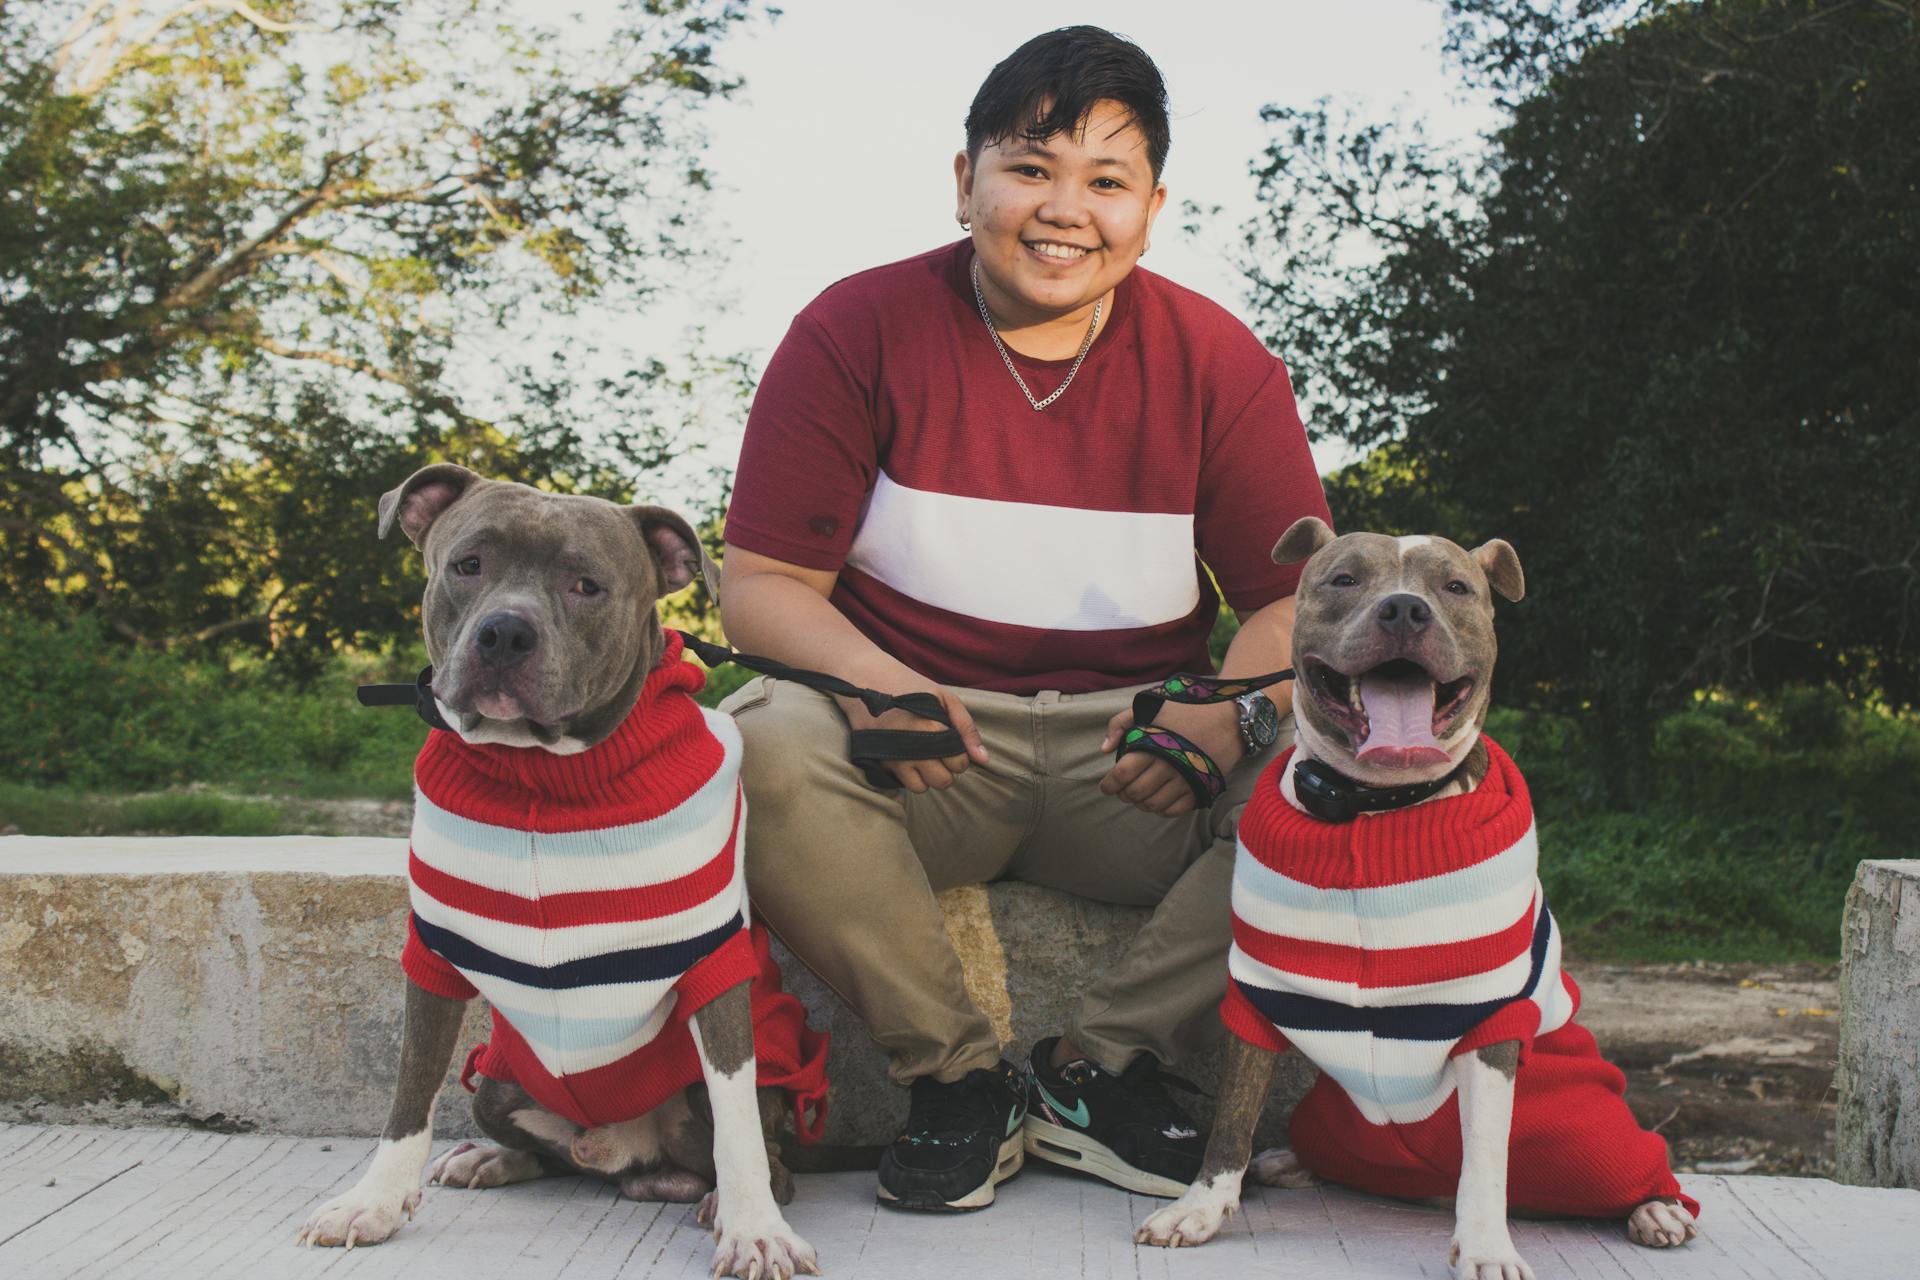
[(468, 567), (1344, 580), (587, 587), (1459, 588)]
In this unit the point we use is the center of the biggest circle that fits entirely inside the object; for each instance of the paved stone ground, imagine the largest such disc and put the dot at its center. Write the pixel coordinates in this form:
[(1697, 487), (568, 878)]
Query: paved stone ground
[(79, 1202)]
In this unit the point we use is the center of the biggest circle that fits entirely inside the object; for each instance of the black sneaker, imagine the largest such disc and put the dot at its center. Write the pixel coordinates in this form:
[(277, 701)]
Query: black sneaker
[(961, 1140), (1123, 1127)]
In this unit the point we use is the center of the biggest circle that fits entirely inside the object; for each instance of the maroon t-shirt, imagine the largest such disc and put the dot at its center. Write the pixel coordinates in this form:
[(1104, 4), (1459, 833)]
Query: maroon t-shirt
[(992, 547)]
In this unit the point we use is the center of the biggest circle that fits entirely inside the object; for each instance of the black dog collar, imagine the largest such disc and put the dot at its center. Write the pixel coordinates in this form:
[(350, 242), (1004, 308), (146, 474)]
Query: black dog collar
[(1332, 796), (418, 695)]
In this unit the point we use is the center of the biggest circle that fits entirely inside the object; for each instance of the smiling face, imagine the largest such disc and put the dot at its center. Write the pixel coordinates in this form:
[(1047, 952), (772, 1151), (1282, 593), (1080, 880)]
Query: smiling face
[(1058, 222)]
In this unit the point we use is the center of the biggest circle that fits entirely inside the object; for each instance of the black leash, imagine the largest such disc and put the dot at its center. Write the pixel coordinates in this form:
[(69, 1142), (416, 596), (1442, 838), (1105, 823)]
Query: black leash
[(870, 749)]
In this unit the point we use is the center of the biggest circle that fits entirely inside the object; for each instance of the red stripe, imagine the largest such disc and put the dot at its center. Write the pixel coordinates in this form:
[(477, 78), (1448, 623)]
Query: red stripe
[(1372, 968), (593, 906)]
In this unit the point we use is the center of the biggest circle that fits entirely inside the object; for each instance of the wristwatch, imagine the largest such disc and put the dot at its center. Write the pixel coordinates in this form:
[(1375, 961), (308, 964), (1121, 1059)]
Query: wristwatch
[(1259, 721)]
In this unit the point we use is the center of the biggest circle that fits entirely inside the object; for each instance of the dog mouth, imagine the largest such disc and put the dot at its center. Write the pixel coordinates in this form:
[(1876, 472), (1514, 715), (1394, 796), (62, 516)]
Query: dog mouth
[(1395, 713)]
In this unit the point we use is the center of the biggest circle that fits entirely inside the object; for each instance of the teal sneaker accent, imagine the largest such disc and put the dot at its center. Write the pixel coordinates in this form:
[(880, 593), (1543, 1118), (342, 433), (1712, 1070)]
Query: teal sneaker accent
[(1076, 1113), (1015, 1117)]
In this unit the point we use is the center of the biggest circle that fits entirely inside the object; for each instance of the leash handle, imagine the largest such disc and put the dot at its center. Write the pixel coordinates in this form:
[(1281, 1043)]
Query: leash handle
[(870, 749), (1196, 768)]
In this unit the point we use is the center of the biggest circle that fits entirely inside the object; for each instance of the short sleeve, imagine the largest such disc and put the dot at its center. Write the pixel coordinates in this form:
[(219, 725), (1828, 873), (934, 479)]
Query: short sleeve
[(810, 455), (1256, 478), (430, 972)]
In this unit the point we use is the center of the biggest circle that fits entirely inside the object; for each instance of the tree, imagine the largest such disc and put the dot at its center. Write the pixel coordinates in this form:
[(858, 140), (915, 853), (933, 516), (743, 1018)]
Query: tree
[(1662, 333), (252, 253)]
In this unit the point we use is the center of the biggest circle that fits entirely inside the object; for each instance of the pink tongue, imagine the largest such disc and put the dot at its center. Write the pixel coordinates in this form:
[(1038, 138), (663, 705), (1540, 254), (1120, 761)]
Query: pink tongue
[(1399, 721)]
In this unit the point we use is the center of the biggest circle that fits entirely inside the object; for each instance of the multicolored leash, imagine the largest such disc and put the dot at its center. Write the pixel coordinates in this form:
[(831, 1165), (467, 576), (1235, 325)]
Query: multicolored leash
[(1195, 767)]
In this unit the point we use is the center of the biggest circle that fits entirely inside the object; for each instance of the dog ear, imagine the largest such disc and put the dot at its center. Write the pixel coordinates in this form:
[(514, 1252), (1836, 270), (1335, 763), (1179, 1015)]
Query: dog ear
[(1501, 563), (1303, 537), (422, 498), (676, 549)]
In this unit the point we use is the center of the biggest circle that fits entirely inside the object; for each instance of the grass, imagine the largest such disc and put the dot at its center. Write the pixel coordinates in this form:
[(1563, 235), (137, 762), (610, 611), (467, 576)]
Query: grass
[(60, 811)]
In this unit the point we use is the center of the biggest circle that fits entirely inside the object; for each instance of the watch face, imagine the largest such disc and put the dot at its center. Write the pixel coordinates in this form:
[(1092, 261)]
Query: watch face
[(1259, 721)]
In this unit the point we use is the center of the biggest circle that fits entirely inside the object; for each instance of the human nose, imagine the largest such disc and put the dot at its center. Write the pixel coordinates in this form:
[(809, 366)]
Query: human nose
[(1065, 206)]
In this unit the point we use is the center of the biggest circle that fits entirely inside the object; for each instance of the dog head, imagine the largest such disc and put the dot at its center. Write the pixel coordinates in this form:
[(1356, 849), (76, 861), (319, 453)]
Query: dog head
[(539, 608), (1394, 648)]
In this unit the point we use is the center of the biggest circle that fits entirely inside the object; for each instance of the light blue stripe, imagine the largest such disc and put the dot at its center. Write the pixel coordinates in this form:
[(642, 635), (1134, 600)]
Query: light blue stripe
[(1477, 883), (561, 1033), (1387, 1092), (697, 811)]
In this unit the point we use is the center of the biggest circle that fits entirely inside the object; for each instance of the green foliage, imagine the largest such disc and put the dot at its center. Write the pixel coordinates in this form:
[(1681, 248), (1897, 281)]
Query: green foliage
[(251, 258), (1660, 334), (86, 712), (1743, 838)]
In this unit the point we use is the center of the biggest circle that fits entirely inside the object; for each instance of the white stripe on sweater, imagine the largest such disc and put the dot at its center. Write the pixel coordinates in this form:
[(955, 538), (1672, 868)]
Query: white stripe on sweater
[(530, 944), (1446, 908), (1025, 564), (675, 844)]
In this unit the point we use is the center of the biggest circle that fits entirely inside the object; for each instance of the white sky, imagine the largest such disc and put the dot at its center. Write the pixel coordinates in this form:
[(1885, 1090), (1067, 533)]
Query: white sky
[(837, 155)]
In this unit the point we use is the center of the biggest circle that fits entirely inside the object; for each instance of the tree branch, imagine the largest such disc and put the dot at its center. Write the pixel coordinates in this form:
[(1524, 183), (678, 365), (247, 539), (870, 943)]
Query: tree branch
[(338, 359)]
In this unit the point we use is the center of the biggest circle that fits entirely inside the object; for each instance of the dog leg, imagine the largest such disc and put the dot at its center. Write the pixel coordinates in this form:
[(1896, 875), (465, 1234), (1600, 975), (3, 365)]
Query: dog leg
[(1196, 1217), (1279, 1167), (390, 1188), (1482, 1244), (1661, 1224), (531, 1140), (754, 1239)]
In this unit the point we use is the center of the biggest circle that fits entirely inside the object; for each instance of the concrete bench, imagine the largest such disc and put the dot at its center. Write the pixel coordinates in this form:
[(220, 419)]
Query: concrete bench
[(253, 984), (1878, 1140)]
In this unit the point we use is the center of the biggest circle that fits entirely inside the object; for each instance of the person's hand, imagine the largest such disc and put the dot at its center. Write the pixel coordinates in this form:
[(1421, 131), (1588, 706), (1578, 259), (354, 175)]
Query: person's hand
[(1149, 783), (934, 774)]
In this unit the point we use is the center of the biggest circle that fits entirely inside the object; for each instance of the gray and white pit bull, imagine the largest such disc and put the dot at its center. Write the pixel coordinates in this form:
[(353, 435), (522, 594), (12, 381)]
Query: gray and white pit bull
[(540, 620), (1394, 647)]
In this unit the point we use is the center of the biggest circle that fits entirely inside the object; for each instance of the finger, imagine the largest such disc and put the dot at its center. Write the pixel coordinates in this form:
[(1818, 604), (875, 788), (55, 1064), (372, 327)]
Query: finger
[(909, 775), (956, 765), (1116, 729), (935, 775), (964, 726), (1168, 800), (1124, 772), (1154, 777)]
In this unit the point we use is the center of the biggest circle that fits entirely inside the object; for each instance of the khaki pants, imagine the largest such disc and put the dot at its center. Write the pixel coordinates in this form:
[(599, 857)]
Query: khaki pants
[(845, 873)]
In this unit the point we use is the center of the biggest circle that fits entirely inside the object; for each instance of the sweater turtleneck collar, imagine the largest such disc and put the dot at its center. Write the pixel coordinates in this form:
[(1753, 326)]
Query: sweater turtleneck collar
[(650, 733)]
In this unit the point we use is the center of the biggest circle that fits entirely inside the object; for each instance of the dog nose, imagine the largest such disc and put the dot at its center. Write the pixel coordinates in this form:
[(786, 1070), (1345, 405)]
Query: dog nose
[(1403, 614), (505, 639)]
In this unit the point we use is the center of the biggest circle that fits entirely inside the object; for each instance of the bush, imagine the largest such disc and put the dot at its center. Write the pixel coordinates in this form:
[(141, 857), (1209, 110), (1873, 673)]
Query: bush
[(1744, 839), (89, 712)]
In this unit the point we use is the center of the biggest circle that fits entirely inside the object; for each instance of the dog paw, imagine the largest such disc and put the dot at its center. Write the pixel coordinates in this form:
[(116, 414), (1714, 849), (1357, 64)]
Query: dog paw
[(364, 1215), (756, 1245), (1195, 1218), (1659, 1225), (1279, 1167), (474, 1166), (1486, 1258)]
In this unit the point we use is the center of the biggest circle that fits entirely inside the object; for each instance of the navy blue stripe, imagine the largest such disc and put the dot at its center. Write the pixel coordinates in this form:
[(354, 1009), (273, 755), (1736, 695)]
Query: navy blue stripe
[(1290, 1011), (641, 964)]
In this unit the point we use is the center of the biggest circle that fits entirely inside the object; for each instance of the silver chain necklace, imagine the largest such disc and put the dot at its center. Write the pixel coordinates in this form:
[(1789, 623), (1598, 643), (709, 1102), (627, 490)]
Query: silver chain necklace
[(1085, 346)]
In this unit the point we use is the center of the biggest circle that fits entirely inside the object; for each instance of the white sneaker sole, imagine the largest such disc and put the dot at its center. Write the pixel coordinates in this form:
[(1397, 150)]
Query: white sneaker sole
[(1013, 1155), (1049, 1142)]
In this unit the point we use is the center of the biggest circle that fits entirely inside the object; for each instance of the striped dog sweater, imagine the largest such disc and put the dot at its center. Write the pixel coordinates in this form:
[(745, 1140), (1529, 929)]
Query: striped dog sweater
[(597, 901), (1384, 947)]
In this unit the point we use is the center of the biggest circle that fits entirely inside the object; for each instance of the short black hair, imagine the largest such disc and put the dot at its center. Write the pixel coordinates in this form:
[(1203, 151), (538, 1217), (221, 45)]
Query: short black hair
[(1052, 82)]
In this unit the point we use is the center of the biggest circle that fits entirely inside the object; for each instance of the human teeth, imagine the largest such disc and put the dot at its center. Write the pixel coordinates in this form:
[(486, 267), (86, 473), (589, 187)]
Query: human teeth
[(1061, 250)]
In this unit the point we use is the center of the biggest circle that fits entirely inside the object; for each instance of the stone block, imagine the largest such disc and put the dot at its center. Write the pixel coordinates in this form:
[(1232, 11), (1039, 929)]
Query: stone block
[(253, 984), (1879, 1075)]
